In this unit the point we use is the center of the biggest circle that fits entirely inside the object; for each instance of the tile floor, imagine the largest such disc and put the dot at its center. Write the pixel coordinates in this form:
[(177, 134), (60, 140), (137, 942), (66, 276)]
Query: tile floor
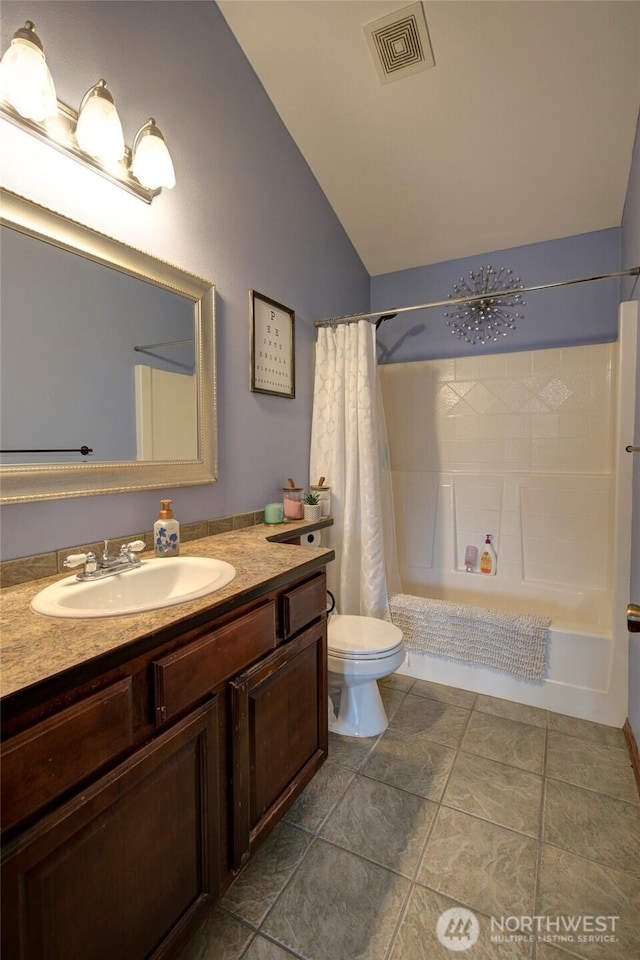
[(507, 810)]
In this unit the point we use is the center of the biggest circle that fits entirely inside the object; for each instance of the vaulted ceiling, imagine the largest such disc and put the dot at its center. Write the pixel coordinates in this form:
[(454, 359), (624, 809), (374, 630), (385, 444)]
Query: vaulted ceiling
[(523, 130)]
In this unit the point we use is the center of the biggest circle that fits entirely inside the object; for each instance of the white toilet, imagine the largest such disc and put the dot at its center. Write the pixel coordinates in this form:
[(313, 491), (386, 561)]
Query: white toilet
[(361, 651)]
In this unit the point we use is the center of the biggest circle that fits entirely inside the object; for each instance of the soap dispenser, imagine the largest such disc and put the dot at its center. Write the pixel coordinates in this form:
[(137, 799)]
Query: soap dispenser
[(166, 532), (488, 558)]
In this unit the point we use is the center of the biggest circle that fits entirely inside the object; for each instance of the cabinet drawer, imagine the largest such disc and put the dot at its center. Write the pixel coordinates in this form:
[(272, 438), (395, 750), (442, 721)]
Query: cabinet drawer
[(50, 757), (304, 604), (183, 677)]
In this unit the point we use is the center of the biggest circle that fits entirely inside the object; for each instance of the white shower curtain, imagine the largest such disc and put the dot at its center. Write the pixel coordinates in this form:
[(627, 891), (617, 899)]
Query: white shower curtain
[(349, 447)]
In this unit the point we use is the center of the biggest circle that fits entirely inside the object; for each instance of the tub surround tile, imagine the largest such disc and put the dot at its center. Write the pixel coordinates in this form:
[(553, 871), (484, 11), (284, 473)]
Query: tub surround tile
[(587, 730), (572, 886), (220, 937), (439, 691), (416, 765), (320, 796), (511, 710), (593, 825), (495, 791), (591, 765), (381, 823), (417, 939), (520, 744), (487, 867), (431, 720), (338, 905), (255, 890)]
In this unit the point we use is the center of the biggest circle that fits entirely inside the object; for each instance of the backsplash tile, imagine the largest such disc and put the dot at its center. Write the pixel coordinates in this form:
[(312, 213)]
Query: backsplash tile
[(23, 569)]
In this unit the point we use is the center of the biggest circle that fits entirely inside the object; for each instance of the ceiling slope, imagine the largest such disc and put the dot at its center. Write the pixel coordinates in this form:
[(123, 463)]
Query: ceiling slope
[(522, 132)]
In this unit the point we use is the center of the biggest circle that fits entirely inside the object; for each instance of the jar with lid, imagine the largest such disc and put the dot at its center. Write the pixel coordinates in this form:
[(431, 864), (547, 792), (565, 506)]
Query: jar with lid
[(323, 492), (292, 498)]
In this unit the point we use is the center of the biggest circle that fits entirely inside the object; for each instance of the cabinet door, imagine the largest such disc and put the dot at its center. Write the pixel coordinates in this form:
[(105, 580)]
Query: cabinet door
[(280, 734), (122, 870)]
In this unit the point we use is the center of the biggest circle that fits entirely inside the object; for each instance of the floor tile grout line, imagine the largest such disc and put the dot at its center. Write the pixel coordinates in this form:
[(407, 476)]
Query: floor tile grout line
[(285, 886), (267, 936), (597, 863), (401, 918), (367, 859), (598, 793), (505, 763), (593, 743), (537, 891)]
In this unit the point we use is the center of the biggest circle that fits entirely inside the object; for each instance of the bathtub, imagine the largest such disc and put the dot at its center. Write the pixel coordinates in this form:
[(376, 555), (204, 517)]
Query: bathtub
[(586, 675)]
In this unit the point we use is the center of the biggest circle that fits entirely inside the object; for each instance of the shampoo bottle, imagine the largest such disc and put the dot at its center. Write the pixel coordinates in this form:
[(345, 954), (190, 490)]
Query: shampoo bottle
[(166, 532), (488, 558)]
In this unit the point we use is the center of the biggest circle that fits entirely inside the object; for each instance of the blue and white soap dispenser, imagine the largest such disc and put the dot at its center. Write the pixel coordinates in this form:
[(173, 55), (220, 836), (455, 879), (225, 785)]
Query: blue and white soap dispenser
[(166, 532)]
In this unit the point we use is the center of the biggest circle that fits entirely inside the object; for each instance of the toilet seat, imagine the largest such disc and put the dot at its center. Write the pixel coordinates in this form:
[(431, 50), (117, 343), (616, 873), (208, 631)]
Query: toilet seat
[(362, 638)]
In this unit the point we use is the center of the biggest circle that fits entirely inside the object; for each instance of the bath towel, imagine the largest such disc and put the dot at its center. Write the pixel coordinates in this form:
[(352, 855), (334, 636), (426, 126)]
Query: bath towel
[(510, 642)]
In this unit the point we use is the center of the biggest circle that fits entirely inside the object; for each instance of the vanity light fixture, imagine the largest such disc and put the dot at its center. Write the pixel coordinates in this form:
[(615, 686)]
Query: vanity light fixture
[(93, 135), (99, 131), (151, 162), (25, 80)]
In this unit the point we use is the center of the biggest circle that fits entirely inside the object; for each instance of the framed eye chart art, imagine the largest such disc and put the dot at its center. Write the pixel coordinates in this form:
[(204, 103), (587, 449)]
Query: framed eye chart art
[(272, 347)]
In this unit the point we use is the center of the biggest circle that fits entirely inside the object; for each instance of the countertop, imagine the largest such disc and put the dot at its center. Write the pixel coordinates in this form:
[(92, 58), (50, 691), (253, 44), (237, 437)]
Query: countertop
[(34, 648)]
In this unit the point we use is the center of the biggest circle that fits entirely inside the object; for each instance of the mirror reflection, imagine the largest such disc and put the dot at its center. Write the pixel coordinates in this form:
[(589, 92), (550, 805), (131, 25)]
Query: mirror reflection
[(107, 366), (91, 357)]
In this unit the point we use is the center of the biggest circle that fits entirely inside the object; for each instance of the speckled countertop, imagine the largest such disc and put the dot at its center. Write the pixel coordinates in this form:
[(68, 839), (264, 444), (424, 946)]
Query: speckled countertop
[(34, 648)]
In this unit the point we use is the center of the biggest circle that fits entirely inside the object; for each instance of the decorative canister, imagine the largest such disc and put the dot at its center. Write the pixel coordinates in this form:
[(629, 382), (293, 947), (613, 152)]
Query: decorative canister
[(292, 498), (324, 495), (273, 513)]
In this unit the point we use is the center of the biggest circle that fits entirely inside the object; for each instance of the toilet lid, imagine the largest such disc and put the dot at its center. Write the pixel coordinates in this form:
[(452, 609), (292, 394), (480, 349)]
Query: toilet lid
[(362, 637)]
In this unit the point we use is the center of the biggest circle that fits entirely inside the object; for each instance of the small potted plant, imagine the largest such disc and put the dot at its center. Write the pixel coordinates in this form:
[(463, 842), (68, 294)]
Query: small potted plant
[(312, 507)]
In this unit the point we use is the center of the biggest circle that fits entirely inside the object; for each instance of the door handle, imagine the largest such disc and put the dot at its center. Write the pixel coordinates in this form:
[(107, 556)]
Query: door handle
[(633, 618)]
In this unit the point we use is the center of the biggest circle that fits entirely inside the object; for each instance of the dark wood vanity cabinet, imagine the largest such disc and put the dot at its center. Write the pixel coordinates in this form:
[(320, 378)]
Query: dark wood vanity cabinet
[(121, 868), (280, 731), (129, 808)]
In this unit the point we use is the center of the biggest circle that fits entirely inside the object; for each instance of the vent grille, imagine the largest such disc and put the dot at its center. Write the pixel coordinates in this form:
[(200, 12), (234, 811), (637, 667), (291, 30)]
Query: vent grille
[(400, 43)]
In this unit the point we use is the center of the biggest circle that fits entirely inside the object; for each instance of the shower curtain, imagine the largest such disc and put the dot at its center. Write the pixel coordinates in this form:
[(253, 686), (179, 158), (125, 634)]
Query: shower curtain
[(349, 447)]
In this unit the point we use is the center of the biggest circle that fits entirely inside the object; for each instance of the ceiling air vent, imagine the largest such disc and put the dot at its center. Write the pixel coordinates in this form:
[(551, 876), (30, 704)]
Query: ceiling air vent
[(400, 43)]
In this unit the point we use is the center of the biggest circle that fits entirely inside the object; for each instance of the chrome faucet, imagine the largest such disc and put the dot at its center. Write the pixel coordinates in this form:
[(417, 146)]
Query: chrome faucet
[(106, 566)]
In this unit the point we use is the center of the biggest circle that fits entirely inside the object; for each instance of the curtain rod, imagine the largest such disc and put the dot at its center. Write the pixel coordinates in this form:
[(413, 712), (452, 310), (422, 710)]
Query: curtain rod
[(354, 317)]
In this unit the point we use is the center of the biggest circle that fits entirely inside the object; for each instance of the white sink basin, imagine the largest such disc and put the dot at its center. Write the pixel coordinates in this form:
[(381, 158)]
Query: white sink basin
[(157, 583)]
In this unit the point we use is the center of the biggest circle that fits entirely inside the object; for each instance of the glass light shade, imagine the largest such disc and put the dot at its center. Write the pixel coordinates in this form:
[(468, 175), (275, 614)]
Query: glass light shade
[(99, 131), (25, 81), (151, 164)]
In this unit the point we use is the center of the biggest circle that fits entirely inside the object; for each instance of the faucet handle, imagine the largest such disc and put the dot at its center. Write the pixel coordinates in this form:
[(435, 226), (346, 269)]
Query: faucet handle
[(75, 560), (136, 546)]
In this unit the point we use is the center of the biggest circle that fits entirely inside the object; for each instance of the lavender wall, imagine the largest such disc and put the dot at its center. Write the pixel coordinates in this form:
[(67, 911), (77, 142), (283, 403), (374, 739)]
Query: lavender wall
[(246, 213), (630, 291), (583, 314)]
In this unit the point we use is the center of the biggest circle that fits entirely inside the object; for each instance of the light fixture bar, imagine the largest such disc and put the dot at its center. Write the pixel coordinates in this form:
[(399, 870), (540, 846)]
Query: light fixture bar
[(59, 132)]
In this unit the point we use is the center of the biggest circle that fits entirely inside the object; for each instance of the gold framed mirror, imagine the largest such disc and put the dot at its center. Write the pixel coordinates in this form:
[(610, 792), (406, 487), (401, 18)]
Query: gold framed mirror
[(77, 377)]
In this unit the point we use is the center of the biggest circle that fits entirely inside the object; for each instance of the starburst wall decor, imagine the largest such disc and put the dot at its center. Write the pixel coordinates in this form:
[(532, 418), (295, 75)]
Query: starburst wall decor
[(491, 315)]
